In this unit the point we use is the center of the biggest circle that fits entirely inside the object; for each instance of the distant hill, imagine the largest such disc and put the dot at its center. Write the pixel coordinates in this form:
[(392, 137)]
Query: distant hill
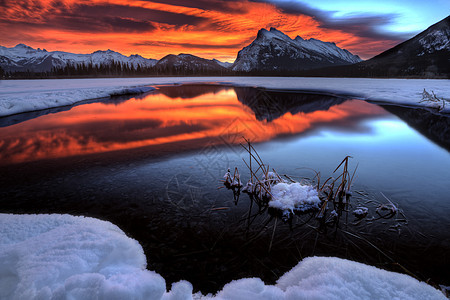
[(189, 64)]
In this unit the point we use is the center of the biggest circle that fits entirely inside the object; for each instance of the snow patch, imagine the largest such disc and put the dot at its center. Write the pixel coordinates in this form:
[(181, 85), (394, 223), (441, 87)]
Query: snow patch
[(361, 212), (132, 91), (337, 278), (435, 41), (294, 196), (29, 95)]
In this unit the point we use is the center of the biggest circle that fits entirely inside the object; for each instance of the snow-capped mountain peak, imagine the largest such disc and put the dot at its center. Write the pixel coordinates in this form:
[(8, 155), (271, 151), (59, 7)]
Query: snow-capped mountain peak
[(273, 50), (109, 51), (266, 36), (23, 46), (223, 63)]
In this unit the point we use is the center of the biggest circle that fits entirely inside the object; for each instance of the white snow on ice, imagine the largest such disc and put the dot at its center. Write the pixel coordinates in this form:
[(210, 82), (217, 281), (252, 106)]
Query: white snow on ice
[(18, 96), (361, 212), (290, 196), (69, 257)]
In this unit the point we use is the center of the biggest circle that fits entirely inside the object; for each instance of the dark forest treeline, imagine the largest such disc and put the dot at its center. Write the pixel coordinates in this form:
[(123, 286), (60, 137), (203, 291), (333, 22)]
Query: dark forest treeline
[(118, 69), (113, 69)]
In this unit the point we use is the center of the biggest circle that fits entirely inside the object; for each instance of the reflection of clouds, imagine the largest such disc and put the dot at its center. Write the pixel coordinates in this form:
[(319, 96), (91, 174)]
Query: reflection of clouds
[(187, 105), (215, 119)]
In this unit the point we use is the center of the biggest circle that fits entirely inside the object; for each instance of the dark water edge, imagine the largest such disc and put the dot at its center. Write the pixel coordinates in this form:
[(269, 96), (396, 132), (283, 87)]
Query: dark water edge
[(187, 239), (432, 124), (161, 197)]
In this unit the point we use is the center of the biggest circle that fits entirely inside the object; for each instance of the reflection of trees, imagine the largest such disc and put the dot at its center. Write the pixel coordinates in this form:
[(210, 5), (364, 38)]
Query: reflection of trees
[(432, 125), (269, 105), (187, 91)]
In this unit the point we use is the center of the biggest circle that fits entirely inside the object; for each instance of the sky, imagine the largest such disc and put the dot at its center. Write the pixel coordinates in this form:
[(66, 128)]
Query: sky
[(211, 28)]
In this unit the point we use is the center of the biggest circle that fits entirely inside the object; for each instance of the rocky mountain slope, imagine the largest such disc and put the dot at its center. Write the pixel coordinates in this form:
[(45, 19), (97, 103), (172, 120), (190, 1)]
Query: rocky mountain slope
[(426, 55)]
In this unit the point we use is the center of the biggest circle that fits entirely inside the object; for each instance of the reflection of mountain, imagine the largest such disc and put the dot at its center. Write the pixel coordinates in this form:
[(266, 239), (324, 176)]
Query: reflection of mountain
[(269, 105), (187, 91), (434, 126)]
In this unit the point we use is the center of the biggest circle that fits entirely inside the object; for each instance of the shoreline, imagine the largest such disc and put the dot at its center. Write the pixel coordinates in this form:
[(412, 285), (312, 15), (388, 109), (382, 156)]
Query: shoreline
[(41, 95)]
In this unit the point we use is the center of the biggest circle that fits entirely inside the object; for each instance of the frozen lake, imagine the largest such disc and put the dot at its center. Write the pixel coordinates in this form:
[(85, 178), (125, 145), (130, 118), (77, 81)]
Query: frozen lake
[(152, 164)]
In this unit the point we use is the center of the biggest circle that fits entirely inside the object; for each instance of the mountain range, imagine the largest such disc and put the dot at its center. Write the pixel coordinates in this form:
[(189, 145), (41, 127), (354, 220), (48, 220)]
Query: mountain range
[(426, 55), (22, 58)]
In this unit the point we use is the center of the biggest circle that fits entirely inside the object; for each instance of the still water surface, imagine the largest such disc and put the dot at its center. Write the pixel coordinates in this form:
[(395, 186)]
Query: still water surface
[(152, 165)]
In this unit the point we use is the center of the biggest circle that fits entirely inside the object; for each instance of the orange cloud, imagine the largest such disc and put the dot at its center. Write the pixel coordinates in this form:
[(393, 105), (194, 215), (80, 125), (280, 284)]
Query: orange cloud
[(210, 29)]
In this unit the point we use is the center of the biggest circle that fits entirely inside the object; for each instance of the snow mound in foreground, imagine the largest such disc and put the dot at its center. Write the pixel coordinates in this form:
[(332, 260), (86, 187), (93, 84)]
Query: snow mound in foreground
[(68, 257), (290, 196)]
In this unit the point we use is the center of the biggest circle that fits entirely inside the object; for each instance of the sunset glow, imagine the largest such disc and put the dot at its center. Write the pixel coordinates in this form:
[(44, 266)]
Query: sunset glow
[(210, 29), (211, 118)]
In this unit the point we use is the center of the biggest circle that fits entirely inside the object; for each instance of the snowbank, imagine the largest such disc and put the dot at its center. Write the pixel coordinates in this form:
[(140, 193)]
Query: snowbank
[(18, 96), (68, 257)]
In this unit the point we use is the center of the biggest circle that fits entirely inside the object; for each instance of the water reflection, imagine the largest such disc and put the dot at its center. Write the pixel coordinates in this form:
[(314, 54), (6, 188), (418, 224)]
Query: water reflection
[(191, 230), (188, 91), (433, 125), (212, 115), (270, 105)]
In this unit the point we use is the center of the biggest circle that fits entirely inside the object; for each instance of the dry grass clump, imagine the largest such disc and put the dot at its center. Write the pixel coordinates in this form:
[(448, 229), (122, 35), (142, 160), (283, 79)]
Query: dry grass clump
[(329, 216), (335, 192), (433, 99)]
